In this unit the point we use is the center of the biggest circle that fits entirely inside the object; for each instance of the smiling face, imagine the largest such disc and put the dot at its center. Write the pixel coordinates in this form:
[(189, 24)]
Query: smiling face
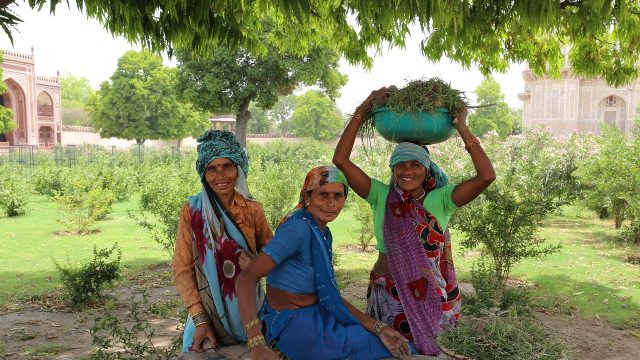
[(221, 175), (326, 202), (409, 176)]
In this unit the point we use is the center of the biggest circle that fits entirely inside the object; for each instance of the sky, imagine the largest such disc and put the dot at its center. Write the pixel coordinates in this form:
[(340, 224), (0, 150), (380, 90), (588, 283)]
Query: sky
[(70, 43)]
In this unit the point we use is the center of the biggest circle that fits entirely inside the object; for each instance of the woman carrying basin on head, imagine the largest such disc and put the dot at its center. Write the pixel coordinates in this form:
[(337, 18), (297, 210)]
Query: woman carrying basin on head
[(412, 284)]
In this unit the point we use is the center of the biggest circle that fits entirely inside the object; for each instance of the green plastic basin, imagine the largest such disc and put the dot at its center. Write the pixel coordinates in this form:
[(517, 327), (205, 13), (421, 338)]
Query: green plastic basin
[(421, 126)]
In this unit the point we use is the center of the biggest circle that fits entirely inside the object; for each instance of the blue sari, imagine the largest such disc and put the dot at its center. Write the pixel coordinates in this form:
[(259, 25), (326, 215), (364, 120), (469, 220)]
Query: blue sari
[(326, 330), (217, 245)]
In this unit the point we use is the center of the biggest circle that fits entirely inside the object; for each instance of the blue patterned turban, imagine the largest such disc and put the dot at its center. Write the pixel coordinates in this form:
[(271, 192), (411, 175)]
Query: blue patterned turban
[(215, 144)]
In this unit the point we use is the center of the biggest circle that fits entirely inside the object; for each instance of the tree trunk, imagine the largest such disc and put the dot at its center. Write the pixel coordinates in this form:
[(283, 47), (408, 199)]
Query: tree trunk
[(242, 118)]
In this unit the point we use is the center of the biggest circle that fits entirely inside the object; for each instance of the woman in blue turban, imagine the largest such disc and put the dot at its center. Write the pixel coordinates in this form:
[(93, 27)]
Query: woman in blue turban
[(220, 229)]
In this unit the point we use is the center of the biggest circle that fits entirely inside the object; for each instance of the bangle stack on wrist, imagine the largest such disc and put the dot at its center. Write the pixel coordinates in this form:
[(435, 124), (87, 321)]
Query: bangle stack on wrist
[(256, 341), (251, 324), (377, 329), (200, 318), (471, 143), (358, 116)]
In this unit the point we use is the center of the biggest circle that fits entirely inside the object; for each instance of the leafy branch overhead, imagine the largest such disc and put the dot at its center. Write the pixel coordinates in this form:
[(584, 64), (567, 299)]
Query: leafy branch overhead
[(604, 35)]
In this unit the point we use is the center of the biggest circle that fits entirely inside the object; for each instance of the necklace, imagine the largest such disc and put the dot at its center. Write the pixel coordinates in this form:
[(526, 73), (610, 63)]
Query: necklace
[(422, 196)]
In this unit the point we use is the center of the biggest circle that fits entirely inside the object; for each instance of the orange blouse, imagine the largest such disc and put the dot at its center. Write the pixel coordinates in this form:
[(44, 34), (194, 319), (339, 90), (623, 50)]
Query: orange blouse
[(250, 217)]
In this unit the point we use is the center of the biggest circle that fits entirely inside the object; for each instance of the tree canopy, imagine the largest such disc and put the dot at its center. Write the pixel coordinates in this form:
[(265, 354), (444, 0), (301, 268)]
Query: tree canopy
[(604, 35), (6, 115), (229, 79), (316, 116), (496, 115), (74, 93), (140, 102)]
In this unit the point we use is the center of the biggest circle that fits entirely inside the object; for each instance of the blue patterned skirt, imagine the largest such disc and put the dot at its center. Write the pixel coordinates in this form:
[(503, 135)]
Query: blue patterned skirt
[(313, 333)]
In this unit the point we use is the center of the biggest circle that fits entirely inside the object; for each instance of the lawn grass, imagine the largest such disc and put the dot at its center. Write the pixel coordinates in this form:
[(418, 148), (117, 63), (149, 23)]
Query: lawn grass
[(28, 247), (589, 275)]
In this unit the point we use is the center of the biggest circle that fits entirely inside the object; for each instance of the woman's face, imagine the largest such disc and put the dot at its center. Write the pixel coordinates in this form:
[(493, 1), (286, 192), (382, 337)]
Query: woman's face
[(326, 202), (221, 175), (409, 175)]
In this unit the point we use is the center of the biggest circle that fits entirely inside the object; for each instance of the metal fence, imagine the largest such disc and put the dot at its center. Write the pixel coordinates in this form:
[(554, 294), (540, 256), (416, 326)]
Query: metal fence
[(69, 155)]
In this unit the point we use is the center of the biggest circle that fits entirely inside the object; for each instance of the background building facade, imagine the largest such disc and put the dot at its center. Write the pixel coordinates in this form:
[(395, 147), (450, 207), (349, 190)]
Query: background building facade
[(574, 103), (35, 101)]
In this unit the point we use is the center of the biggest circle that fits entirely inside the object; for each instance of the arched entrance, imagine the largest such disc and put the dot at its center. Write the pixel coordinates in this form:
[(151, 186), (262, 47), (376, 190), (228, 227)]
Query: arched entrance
[(612, 111), (15, 100), (45, 105), (45, 136)]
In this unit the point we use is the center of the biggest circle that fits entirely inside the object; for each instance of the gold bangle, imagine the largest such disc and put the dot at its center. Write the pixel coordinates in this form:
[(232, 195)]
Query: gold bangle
[(358, 116), (473, 142), (200, 318), (256, 341), (377, 329), (200, 323), (251, 324)]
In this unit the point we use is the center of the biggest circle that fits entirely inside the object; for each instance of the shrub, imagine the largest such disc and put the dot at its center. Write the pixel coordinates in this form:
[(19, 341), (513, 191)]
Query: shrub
[(118, 180), (611, 180), (14, 191), (82, 203), (49, 179), (277, 186), (84, 282), (364, 217), (130, 338), (166, 189), (492, 296), (532, 181)]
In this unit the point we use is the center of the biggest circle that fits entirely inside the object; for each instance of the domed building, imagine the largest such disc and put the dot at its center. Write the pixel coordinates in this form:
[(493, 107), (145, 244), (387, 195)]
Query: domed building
[(575, 103), (35, 101)]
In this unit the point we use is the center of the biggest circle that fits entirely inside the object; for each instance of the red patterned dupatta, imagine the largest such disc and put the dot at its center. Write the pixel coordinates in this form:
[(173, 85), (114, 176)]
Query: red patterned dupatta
[(420, 263)]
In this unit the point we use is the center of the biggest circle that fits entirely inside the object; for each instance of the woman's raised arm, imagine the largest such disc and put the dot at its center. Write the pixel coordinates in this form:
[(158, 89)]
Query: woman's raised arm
[(358, 180), (469, 189)]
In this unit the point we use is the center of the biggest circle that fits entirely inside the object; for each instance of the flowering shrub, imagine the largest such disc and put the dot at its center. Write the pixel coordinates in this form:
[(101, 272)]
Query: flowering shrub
[(534, 178)]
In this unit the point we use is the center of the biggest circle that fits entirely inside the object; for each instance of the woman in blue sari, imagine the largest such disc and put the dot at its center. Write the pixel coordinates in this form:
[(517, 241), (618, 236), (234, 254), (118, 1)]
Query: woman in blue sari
[(304, 316), (220, 229)]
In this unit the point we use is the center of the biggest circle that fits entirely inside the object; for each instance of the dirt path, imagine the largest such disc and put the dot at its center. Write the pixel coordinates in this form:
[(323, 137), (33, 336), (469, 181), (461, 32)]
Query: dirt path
[(46, 329)]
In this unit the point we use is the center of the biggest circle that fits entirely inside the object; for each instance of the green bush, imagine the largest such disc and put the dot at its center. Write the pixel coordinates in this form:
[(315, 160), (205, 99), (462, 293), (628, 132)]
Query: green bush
[(533, 180), (364, 217), (14, 191), (127, 338), (493, 337), (82, 203), (118, 180), (49, 179), (167, 187), (492, 296), (277, 186), (611, 178), (84, 282)]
